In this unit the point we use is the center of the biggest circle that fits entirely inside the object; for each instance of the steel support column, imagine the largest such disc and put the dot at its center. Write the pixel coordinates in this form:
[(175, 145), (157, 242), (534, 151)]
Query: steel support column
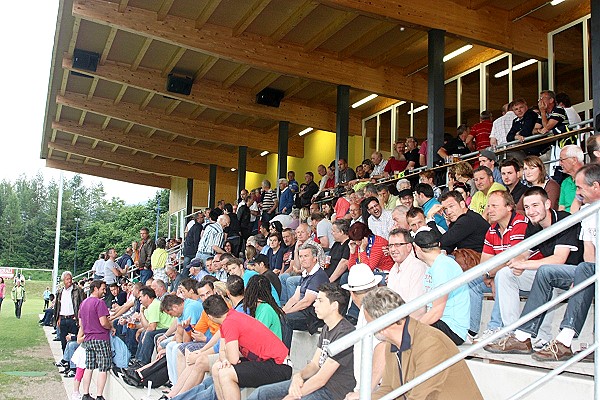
[(342, 125), (241, 178), (212, 185), (435, 93), (595, 60), (189, 199), (282, 150)]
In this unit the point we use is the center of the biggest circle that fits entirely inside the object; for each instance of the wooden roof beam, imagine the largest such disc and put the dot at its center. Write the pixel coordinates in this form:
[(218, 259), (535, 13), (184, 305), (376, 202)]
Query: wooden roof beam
[(111, 173), (236, 100), (332, 28), (138, 161), (108, 45), (491, 27), (164, 9), (364, 40), (414, 40), (206, 13), (256, 51), (203, 130)]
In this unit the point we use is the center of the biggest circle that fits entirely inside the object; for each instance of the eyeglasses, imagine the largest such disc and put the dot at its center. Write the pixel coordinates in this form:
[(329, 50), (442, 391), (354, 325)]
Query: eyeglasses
[(397, 245), (563, 159)]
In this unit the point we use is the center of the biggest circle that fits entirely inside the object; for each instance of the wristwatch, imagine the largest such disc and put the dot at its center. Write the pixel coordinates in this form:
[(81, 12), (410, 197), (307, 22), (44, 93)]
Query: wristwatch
[(487, 275)]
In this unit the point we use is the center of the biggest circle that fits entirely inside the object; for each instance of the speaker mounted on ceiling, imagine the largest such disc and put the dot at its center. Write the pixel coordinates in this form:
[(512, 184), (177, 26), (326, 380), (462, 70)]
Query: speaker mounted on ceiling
[(269, 97), (85, 60), (179, 84)]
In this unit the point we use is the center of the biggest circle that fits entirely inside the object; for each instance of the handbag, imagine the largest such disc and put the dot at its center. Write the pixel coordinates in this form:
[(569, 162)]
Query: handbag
[(466, 258)]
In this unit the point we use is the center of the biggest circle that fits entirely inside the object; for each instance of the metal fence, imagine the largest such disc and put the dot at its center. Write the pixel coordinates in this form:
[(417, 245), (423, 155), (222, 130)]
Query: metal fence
[(366, 333)]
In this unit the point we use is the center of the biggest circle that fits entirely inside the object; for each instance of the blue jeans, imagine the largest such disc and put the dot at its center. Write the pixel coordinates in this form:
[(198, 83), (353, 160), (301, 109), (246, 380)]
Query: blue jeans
[(293, 321), (146, 346), (289, 283), (280, 389), (130, 341), (203, 391), (546, 279), (68, 353), (579, 304), (145, 274), (476, 290)]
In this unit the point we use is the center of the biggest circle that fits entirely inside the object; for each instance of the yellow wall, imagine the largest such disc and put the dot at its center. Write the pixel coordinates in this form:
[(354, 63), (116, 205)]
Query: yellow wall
[(319, 148), (226, 189)]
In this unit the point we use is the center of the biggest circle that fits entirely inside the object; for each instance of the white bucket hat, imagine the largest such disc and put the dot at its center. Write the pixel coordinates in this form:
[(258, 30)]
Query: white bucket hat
[(361, 277)]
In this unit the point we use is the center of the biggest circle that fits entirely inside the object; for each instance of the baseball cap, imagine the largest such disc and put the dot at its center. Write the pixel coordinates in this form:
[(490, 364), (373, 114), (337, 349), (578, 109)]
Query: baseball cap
[(425, 238), (260, 258), (490, 155)]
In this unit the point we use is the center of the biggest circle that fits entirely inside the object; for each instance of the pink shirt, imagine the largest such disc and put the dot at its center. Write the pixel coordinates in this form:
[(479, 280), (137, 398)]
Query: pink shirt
[(2, 287), (407, 278)]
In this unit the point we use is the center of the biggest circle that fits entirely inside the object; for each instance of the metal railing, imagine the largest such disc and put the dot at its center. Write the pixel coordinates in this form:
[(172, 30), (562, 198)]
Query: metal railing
[(366, 333)]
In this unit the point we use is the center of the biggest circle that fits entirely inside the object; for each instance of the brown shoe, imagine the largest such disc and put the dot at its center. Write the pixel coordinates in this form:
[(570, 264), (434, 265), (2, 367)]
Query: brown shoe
[(553, 351), (510, 345)]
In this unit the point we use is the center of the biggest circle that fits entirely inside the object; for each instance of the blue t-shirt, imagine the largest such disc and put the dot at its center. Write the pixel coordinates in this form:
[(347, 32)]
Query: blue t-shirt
[(249, 274), (458, 307), (439, 220), (192, 309)]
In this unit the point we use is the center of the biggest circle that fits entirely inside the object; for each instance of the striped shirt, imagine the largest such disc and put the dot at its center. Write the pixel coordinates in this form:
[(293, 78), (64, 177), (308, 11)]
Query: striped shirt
[(212, 236), (268, 200), (496, 242), (501, 126)]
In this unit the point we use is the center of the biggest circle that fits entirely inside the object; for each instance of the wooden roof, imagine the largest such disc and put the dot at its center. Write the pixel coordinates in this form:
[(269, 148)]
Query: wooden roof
[(121, 122)]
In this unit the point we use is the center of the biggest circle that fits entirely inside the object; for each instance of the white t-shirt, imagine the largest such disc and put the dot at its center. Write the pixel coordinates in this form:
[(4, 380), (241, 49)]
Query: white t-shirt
[(588, 229), (99, 267), (190, 224), (66, 302)]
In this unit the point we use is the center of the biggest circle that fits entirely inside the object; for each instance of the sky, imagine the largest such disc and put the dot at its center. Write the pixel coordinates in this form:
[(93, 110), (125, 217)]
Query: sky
[(26, 41)]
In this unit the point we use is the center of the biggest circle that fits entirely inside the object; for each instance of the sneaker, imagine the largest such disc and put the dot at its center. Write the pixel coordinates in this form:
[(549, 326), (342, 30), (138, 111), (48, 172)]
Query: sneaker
[(100, 397), (70, 374), (510, 345), (553, 351), (87, 397), (485, 334), (538, 343), (62, 363)]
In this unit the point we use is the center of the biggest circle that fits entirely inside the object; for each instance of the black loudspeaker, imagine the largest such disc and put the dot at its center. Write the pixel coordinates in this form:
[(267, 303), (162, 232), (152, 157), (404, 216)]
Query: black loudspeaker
[(87, 60), (179, 84), (269, 97)]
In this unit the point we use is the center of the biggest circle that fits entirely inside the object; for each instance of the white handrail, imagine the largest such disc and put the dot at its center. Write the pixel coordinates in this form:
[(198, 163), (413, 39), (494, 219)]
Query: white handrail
[(401, 312)]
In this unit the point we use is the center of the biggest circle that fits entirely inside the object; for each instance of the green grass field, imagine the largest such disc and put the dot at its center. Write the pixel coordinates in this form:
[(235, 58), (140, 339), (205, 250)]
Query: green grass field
[(22, 342)]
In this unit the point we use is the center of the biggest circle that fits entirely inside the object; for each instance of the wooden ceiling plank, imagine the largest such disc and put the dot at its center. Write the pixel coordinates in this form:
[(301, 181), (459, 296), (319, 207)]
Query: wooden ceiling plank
[(64, 81), (58, 112), (253, 12), (221, 118), (151, 118), (296, 88), (206, 13), (95, 144), (525, 7), (128, 127), (141, 54), (114, 148), (331, 29), (120, 94), (266, 81), (74, 140), (171, 107), (123, 5), (205, 67), (108, 45), (93, 87), (235, 99), (174, 60), (196, 113), (414, 40), (173, 137), (164, 9), (364, 40), (82, 117), (150, 133), (490, 28), (256, 51), (293, 20), (111, 173), (473, 61), (49, 153), (235, 75), (53, 136), (73, 41), (147, 100), (68, 158)]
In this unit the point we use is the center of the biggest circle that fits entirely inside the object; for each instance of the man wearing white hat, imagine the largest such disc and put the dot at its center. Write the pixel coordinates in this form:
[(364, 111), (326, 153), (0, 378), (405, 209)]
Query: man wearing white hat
[(361, 281)]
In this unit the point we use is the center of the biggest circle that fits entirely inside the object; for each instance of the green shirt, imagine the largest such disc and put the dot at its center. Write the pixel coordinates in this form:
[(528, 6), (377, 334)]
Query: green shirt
[(268, 316), (18, 293), (479, 200), (153, 314), (567, 193)]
